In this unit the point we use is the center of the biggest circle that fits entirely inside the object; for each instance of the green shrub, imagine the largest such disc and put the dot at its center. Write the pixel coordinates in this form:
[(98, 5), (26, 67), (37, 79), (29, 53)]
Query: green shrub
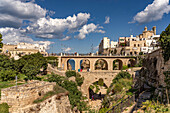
[(91, 87), (97, 88), (21, 76), (70, 73), (79, 79), (103, 110), (4, 108), (121, 75), (75, 96), (125, 67), (100, 82), (118, 88)]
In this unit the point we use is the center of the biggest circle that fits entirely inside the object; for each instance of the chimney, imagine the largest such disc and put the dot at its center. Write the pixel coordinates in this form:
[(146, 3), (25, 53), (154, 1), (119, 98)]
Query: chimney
[(154, 30)]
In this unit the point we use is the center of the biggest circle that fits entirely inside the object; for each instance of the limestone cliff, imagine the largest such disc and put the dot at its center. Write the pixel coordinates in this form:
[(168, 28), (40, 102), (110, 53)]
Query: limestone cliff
[(55, 104), (21, 99), (152, 74)]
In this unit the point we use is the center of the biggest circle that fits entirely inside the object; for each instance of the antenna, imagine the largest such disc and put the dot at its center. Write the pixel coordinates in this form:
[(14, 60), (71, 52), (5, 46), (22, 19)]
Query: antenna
[(92, 48)]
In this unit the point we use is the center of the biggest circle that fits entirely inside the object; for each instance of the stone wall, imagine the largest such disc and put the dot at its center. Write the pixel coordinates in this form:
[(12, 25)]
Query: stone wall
[(55, 104), (25, 94), (21, 98)]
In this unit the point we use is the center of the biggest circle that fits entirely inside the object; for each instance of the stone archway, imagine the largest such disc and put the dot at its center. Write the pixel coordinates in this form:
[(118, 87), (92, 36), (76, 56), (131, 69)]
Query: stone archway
[(70, 64), (85, 64), (101, 64), (98, 89), (131, 62), (117, 64)]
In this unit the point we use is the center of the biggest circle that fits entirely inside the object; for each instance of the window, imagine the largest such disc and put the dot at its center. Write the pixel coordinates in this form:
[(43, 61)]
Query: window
[(134, 45), (130, 53), (144, 45), (138, 45)]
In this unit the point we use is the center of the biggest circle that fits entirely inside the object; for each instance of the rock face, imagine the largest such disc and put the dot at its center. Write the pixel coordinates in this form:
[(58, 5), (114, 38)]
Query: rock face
[(21, 99), (152, 72), (55, 104)]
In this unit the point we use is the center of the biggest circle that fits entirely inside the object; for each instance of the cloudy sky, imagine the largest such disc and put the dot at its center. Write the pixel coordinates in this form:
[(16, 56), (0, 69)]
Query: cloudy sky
[(78, 25)]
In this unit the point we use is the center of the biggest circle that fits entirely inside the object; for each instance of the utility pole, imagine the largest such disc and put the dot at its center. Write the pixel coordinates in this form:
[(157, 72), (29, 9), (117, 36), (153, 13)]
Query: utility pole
[(92, 48)]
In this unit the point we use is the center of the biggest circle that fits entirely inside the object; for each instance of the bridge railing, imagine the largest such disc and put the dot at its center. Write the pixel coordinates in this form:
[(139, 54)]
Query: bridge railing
[(120, 107)]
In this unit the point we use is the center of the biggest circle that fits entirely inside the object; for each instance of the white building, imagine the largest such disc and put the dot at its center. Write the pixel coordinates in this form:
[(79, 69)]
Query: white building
[(106, 44), (113, 44), (40, 48), (151, 44)]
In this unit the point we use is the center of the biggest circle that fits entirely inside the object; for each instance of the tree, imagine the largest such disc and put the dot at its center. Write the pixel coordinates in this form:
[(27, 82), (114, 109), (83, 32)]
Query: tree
[(1, 44), (30, 65), (165, 43), (7, 70)]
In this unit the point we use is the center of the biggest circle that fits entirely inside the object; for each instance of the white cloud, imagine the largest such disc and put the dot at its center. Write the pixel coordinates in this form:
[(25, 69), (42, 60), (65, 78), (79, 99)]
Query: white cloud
[(100, 31), (54, 28), (152, 12), (67, 49), (107, 20), (66, 38), (13, 12), (14, 36), (86, 29)]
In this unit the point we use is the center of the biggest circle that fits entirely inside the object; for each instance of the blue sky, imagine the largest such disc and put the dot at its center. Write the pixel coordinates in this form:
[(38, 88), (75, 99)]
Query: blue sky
[(48, 21)]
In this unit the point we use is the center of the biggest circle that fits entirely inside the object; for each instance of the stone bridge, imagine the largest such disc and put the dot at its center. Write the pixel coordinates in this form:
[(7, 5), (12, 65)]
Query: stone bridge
[(93, 76), (122, 60)]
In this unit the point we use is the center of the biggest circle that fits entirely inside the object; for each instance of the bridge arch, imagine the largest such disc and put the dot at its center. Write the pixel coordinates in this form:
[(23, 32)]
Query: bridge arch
[(71, 64), (101, 64), (131, 62), (85, 64), (117, 64), (98, 89)]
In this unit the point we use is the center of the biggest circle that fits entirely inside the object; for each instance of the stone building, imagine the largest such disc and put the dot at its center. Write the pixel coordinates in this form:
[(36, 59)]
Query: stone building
[(106, 46), (145, 43), (22, 49)]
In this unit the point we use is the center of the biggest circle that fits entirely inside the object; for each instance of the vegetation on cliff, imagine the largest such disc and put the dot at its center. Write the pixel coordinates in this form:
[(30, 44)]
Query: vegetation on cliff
[(153, 107), (75, 96), (165, 43), (118, 90), (1, 44), (4, 108)]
